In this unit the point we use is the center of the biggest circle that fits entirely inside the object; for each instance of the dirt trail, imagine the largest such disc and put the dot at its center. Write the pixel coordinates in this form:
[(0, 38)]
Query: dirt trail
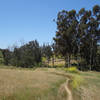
[(66, 85), (69, 93)]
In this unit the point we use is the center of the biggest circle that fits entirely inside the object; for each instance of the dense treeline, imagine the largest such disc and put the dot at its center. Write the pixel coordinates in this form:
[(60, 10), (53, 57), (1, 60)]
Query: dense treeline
[(77, 37), (28, 55), (78, 34)]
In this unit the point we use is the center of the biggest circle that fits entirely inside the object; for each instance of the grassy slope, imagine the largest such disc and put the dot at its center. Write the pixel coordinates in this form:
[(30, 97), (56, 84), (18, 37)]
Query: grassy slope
[(29, 85), (91, 86), (88, 89), (44, 83)]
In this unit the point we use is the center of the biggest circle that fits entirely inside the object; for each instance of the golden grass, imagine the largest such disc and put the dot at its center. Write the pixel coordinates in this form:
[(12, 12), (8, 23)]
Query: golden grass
[(44, 84), (28, 85), (91, 88)]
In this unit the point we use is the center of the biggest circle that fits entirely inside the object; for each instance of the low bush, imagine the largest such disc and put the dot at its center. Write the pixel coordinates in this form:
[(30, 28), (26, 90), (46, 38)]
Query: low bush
[(77, 80), (72, 70)]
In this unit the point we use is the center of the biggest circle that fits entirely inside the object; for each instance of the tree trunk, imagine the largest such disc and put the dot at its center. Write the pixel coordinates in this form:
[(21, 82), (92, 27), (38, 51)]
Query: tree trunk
[(69, 60), (91, 54), (48, 62), (53, 60), (90, 59), (66, 62), (79, 57)]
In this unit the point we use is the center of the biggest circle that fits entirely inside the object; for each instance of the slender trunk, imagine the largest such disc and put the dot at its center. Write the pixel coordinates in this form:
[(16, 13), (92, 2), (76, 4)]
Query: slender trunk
[(91, 53), (68, 60), (79, 59), (53, 60), (80, 63), (90, 60), (48, 62)]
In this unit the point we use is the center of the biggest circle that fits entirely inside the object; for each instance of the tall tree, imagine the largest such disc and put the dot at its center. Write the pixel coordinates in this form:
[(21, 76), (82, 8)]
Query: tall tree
[(89, 28), (78, 33), (66, 33)]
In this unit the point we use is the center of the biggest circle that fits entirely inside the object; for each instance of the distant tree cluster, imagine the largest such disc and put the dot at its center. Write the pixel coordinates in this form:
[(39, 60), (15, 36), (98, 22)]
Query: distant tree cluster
[(28, 55), (78, 34)]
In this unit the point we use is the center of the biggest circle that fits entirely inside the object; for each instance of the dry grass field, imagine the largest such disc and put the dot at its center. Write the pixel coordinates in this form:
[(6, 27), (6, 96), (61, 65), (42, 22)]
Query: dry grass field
[(91, 87), (45, 84), (39, 84)]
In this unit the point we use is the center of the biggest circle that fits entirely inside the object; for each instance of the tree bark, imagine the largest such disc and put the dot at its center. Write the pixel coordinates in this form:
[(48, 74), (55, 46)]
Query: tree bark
[(66, 61), (48, 62), (53, 60), (91, 54), (69, 60)]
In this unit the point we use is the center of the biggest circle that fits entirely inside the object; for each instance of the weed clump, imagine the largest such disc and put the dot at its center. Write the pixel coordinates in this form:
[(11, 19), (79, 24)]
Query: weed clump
[(72, 70), (76, 81)]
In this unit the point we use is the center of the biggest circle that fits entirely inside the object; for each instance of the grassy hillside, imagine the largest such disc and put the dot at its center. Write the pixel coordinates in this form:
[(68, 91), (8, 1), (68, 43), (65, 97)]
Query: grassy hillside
[(18, 84), (91, 87), (47, 84)]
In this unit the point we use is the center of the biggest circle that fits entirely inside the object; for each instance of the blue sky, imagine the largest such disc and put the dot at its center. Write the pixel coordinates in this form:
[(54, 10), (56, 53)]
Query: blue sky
[(33, 19)]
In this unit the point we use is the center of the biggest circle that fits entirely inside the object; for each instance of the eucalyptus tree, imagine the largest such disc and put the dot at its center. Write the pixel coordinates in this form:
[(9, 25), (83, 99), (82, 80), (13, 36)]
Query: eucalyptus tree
[(89, 29), (65, 38), (78, 33), (82, 37)]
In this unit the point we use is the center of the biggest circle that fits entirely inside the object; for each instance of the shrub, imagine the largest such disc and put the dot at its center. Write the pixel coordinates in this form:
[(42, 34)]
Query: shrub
[(43, 59), (72, 70), (76, 81)]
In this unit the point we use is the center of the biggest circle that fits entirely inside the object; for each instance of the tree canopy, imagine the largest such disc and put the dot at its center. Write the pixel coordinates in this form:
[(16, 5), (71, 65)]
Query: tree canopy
[(78, 33)]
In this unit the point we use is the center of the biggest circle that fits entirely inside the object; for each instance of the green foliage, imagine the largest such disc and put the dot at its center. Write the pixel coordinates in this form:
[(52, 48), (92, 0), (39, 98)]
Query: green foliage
[(46, 51), (78, 34), (43, 59), (7, 54), (77, 80), (28, 55), (72, 70), (1, 58), (65, 38)]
